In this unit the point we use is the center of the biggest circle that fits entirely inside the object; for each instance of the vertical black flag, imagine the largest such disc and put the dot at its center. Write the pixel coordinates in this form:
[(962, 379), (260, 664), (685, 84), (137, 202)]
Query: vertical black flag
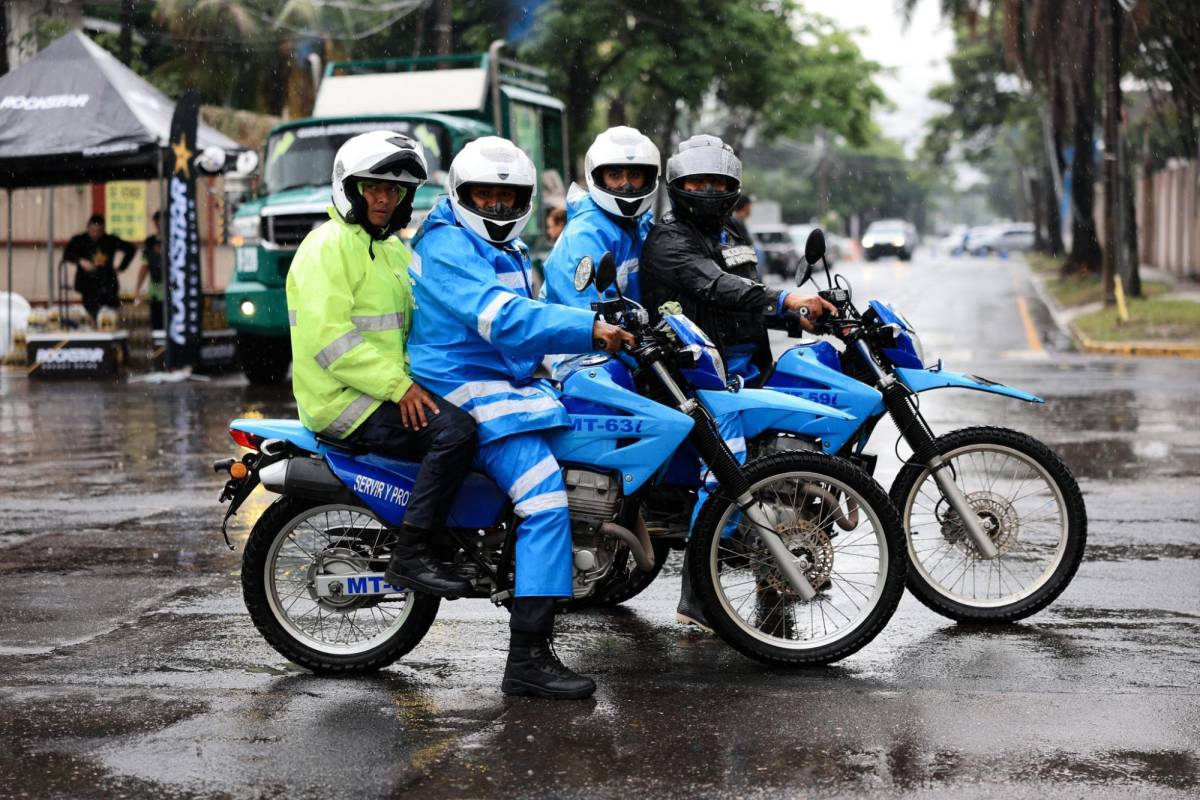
[(183, 237)]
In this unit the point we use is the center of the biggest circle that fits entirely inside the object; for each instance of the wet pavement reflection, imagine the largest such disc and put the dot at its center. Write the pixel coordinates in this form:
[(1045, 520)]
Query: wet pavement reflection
[(128, 666)]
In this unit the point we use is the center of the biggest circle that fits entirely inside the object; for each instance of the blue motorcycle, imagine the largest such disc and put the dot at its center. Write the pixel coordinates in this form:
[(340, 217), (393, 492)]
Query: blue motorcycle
[(779, 578), (994, 522)]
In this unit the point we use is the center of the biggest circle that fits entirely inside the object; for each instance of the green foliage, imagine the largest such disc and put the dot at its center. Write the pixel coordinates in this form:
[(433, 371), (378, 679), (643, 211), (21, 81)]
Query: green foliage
[(767, 68)]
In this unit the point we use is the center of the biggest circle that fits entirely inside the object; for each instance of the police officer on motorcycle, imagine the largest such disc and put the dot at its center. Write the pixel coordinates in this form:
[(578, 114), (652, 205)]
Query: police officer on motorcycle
[(350, 309), (694, 257), (621, 169), (478, 340)]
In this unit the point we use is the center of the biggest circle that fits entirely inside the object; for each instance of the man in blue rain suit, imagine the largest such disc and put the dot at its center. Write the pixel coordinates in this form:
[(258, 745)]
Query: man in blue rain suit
[(694, 258), (477, 341), (621, 168)]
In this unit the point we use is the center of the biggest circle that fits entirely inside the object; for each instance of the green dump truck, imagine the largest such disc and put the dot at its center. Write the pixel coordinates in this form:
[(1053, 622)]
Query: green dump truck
[(442, 102)]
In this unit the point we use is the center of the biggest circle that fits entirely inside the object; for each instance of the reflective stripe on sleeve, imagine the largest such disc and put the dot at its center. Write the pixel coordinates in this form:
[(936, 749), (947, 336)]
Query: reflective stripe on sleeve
[(542, 502), (345, 420), (513, 280), (489, 314), (338, 348), (292, 318), (380, 322), (532, 477)]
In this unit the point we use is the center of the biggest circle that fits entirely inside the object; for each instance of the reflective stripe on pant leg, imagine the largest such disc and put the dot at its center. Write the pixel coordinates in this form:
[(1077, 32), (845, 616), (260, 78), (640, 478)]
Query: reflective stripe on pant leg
[(730, 426), (544, 533)]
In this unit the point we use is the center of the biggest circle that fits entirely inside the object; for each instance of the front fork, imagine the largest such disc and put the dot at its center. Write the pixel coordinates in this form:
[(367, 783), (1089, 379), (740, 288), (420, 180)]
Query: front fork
[(915, 431), (706, 438)]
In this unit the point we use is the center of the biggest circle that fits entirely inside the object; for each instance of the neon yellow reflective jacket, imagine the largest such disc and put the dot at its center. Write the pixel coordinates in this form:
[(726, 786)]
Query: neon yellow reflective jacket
[(350, 315)]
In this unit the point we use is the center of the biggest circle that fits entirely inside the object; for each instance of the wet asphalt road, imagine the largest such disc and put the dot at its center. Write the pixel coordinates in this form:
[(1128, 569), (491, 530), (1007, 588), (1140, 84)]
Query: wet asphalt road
[(128, 666)]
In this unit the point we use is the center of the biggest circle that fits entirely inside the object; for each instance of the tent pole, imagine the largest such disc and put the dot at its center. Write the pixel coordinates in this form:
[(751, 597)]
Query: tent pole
[(10, 259), (50, 288), (163, 227)]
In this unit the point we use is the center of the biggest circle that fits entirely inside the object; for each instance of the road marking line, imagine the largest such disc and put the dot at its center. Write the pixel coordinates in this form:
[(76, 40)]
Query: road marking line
[(1031, 336)]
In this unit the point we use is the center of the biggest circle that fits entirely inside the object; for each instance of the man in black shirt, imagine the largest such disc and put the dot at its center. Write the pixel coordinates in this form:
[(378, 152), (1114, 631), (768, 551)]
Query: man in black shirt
[(93, 252)]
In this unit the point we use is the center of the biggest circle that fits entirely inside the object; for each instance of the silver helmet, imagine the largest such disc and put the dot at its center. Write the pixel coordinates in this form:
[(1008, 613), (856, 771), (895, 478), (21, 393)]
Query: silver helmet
[(380, 156), (622, 147), (704, 155), (492, 161)]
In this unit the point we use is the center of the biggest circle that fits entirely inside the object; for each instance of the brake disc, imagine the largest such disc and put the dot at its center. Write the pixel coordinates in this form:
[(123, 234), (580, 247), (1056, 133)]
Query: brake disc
[(813, 551), (996, 514)]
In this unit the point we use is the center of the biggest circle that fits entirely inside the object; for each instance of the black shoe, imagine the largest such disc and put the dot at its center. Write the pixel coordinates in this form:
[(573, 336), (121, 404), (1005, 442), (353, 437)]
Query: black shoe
[(533, 670), (689, 611), (425, 574)]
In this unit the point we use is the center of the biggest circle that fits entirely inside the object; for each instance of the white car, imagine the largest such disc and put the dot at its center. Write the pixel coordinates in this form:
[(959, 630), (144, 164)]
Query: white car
[(1016, 237)]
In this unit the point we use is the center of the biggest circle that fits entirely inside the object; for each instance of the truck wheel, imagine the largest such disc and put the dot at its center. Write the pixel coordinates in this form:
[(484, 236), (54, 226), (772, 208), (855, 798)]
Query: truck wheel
[(264, 359)]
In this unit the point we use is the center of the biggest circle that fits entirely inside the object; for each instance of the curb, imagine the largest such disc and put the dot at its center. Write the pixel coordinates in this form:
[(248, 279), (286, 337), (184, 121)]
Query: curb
[(1088, 345), (1155, 349)]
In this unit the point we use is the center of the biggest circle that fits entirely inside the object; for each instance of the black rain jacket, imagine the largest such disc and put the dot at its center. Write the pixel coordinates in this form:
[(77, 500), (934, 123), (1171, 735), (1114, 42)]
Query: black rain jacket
[(717, 285)]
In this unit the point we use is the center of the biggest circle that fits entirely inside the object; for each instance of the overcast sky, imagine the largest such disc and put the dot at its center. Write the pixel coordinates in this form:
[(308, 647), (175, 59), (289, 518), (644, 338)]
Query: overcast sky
[(915, 56)]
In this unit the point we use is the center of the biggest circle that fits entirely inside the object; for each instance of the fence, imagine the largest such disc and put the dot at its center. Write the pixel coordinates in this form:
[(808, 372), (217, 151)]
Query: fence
[(1168, 216)]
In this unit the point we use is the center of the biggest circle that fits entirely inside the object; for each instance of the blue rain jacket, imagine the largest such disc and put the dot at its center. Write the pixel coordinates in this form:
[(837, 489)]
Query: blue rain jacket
[(478, 337), (590, 231)]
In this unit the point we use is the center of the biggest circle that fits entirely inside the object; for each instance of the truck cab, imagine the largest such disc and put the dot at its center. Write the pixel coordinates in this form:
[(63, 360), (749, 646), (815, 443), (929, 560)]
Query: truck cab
[(442, 102)]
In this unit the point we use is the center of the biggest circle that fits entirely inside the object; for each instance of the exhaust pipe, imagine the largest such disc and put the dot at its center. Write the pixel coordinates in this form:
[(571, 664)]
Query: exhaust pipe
[(643, 555)]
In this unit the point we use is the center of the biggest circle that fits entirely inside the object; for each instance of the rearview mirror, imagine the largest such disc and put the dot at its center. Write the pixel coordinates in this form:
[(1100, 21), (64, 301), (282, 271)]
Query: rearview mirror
[(585, 271), (606, 272), (814, 248), (803, 273)]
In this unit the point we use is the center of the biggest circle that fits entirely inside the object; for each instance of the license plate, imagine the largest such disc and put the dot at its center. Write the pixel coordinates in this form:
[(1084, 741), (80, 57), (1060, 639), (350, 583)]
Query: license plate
[(358, 584)]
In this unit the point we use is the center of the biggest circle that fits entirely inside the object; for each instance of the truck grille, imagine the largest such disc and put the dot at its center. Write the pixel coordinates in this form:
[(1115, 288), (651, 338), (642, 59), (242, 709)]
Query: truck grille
[(288, 230)]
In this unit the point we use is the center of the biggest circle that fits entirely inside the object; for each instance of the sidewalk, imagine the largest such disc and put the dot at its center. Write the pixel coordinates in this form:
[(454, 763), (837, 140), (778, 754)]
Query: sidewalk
[(1065, 319)]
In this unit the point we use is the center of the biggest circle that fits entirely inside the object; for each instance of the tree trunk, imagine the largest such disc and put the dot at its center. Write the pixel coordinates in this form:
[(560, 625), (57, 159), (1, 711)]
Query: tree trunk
[(1133, 256), (1085, 246), (443, 27), (1037, 196), (125, 38), (1113, 187)]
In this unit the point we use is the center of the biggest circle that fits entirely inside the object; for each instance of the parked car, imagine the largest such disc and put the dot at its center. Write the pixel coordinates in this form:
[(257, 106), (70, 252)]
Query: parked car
[(889, 237), (1016, 237), (835, 246), (976, 237), (779, 251)]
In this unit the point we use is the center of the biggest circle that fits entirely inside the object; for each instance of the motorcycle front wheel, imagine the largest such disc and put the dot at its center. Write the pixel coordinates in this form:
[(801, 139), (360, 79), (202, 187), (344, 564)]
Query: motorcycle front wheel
[(292, 543), (1029, 504), (844, 536)]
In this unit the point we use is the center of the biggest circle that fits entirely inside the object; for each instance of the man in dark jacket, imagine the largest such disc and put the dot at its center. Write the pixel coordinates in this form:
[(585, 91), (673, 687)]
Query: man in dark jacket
[(92, 252), (693, 256)]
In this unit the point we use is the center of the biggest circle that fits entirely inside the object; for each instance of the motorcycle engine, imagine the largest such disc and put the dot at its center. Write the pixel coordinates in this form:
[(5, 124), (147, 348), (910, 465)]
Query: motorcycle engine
[(592, 499), (772, 443)]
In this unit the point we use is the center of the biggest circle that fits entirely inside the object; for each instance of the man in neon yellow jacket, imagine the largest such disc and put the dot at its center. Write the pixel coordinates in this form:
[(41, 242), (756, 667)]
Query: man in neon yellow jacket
[(350, 308)]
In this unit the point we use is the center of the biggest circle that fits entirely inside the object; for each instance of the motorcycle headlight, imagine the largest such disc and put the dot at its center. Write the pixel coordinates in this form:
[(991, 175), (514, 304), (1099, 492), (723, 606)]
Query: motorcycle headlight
[(920, 348), (718, 363)]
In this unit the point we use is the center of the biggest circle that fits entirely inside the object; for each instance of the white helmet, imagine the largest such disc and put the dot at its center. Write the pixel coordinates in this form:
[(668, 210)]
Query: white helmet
[(492, 161), (380, 156), (622, 147)]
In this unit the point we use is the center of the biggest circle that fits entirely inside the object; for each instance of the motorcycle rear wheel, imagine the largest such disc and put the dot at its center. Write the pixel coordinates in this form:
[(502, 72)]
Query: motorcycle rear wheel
[(1034, 511), (289, 544), (858, 571)]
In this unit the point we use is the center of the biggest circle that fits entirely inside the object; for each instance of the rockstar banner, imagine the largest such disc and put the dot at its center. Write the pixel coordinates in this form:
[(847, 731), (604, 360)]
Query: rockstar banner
[(183, 238)]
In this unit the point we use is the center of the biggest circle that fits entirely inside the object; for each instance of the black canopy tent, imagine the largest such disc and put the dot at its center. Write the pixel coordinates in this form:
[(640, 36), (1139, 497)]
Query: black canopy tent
[(75, 114)]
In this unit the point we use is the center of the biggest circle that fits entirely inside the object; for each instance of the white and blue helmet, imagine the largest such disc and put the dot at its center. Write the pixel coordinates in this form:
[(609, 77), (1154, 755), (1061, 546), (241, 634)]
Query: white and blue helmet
[(492, 161)]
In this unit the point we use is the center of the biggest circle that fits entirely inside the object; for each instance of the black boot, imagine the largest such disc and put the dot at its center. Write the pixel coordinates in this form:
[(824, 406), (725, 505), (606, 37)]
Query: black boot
[(689, 611), (533, 669), (412, 567)]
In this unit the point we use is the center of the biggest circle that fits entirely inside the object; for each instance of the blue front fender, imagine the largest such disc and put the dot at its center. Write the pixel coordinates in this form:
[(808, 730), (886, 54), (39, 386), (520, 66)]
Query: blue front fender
[(922, 380), (764, 410)]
